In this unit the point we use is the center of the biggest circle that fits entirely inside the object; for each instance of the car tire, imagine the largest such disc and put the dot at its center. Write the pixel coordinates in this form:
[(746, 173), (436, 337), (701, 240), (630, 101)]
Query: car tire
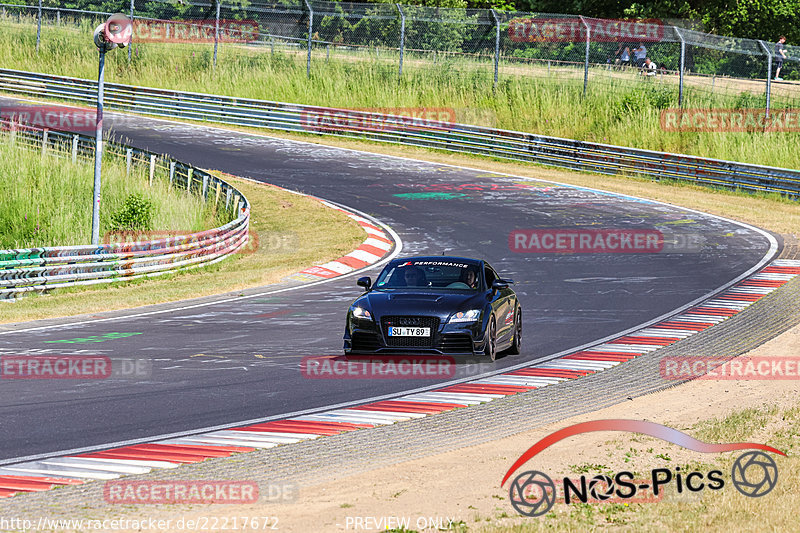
[(490, 347), (516, 343)]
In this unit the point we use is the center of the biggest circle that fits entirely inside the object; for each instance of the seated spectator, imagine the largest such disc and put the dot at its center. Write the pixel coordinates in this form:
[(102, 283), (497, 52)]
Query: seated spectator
[(649, 67), (639, 55)]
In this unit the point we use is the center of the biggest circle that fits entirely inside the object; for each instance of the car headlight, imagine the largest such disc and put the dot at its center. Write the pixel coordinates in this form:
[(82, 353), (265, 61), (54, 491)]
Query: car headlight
[(360, 312), (465, 316)]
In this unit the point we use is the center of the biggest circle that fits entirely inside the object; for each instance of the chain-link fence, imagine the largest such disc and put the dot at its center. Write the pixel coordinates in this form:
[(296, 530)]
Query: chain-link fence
[(686, 65)]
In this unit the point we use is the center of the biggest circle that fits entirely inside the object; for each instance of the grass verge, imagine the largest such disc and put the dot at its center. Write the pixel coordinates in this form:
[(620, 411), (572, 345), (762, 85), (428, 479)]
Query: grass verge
[(286, 229)]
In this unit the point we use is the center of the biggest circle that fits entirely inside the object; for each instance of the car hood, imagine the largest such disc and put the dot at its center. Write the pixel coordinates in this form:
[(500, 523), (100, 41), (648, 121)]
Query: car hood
[(424, 303)]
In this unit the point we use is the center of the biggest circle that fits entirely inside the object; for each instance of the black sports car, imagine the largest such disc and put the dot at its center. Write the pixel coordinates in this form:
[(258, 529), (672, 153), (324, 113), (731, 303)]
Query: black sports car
[(439, 305)]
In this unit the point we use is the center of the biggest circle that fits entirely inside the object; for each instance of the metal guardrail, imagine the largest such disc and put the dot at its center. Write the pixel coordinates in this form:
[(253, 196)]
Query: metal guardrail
[(30, 270), (504, 144)]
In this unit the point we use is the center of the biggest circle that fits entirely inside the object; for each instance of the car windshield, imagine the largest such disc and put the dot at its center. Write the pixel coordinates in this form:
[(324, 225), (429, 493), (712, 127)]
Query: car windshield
[(430, 275)]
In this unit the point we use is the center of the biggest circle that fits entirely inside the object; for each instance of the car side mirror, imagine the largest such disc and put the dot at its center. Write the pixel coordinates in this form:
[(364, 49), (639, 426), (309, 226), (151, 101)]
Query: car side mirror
[(365, 282), (499, 284)]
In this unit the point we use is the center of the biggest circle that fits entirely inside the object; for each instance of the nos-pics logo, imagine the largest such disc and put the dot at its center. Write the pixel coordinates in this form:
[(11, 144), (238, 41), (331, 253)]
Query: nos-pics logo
[(533, 493)]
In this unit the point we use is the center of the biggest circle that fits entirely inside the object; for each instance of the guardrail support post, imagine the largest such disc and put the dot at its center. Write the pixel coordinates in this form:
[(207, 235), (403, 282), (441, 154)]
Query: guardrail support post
[(171, 173), (228, 197), (402, 37), (39, 26), (205, 186), (310, 29), (496, 46), (216, 34), (128, 161), (44, 141), (58, 17), (769, 72), (586, 60), (189, 174), (130, 44), (75, 140), (682, 66), (152, 168)]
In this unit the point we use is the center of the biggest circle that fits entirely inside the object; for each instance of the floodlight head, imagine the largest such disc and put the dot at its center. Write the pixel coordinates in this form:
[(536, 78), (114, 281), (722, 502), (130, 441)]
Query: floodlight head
[(100, 39), (118, 30)]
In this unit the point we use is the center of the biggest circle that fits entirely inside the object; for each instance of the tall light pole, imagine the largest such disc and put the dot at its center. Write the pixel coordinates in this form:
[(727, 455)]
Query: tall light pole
[(116, 31)]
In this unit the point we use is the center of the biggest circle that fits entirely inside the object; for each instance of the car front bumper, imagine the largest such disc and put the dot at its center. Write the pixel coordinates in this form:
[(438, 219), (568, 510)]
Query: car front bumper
[(365, 337)]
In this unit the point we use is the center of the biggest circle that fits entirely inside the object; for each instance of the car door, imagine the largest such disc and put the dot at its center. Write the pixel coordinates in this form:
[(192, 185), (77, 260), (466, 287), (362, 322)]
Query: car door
[(499, 302), (502, 304)]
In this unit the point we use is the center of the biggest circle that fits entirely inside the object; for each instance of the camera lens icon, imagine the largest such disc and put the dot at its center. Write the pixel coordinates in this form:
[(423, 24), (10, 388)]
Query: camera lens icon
[(754, 474), (532, 493)]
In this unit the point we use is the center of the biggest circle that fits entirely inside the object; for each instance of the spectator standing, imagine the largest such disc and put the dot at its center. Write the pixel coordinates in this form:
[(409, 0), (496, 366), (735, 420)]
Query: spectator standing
[(640, 54), (624, 59), (780, 55)]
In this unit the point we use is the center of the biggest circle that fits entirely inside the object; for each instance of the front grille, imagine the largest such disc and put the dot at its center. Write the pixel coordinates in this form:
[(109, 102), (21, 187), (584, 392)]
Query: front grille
[(411, 321), (455, 343), (364, 342)]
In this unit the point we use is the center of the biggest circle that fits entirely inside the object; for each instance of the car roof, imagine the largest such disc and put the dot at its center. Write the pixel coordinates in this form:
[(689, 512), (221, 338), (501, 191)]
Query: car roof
[(436, 258)]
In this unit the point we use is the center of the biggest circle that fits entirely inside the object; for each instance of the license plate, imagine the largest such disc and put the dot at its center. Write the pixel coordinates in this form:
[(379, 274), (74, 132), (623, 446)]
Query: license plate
[(409, 332)]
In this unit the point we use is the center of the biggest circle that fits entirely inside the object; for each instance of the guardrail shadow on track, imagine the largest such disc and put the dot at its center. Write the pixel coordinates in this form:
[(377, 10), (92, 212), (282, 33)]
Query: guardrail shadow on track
[(25, 271), (462, 138)]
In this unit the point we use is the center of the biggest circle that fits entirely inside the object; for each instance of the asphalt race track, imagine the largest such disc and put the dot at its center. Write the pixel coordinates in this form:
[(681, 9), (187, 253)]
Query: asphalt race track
[(239, 360)]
